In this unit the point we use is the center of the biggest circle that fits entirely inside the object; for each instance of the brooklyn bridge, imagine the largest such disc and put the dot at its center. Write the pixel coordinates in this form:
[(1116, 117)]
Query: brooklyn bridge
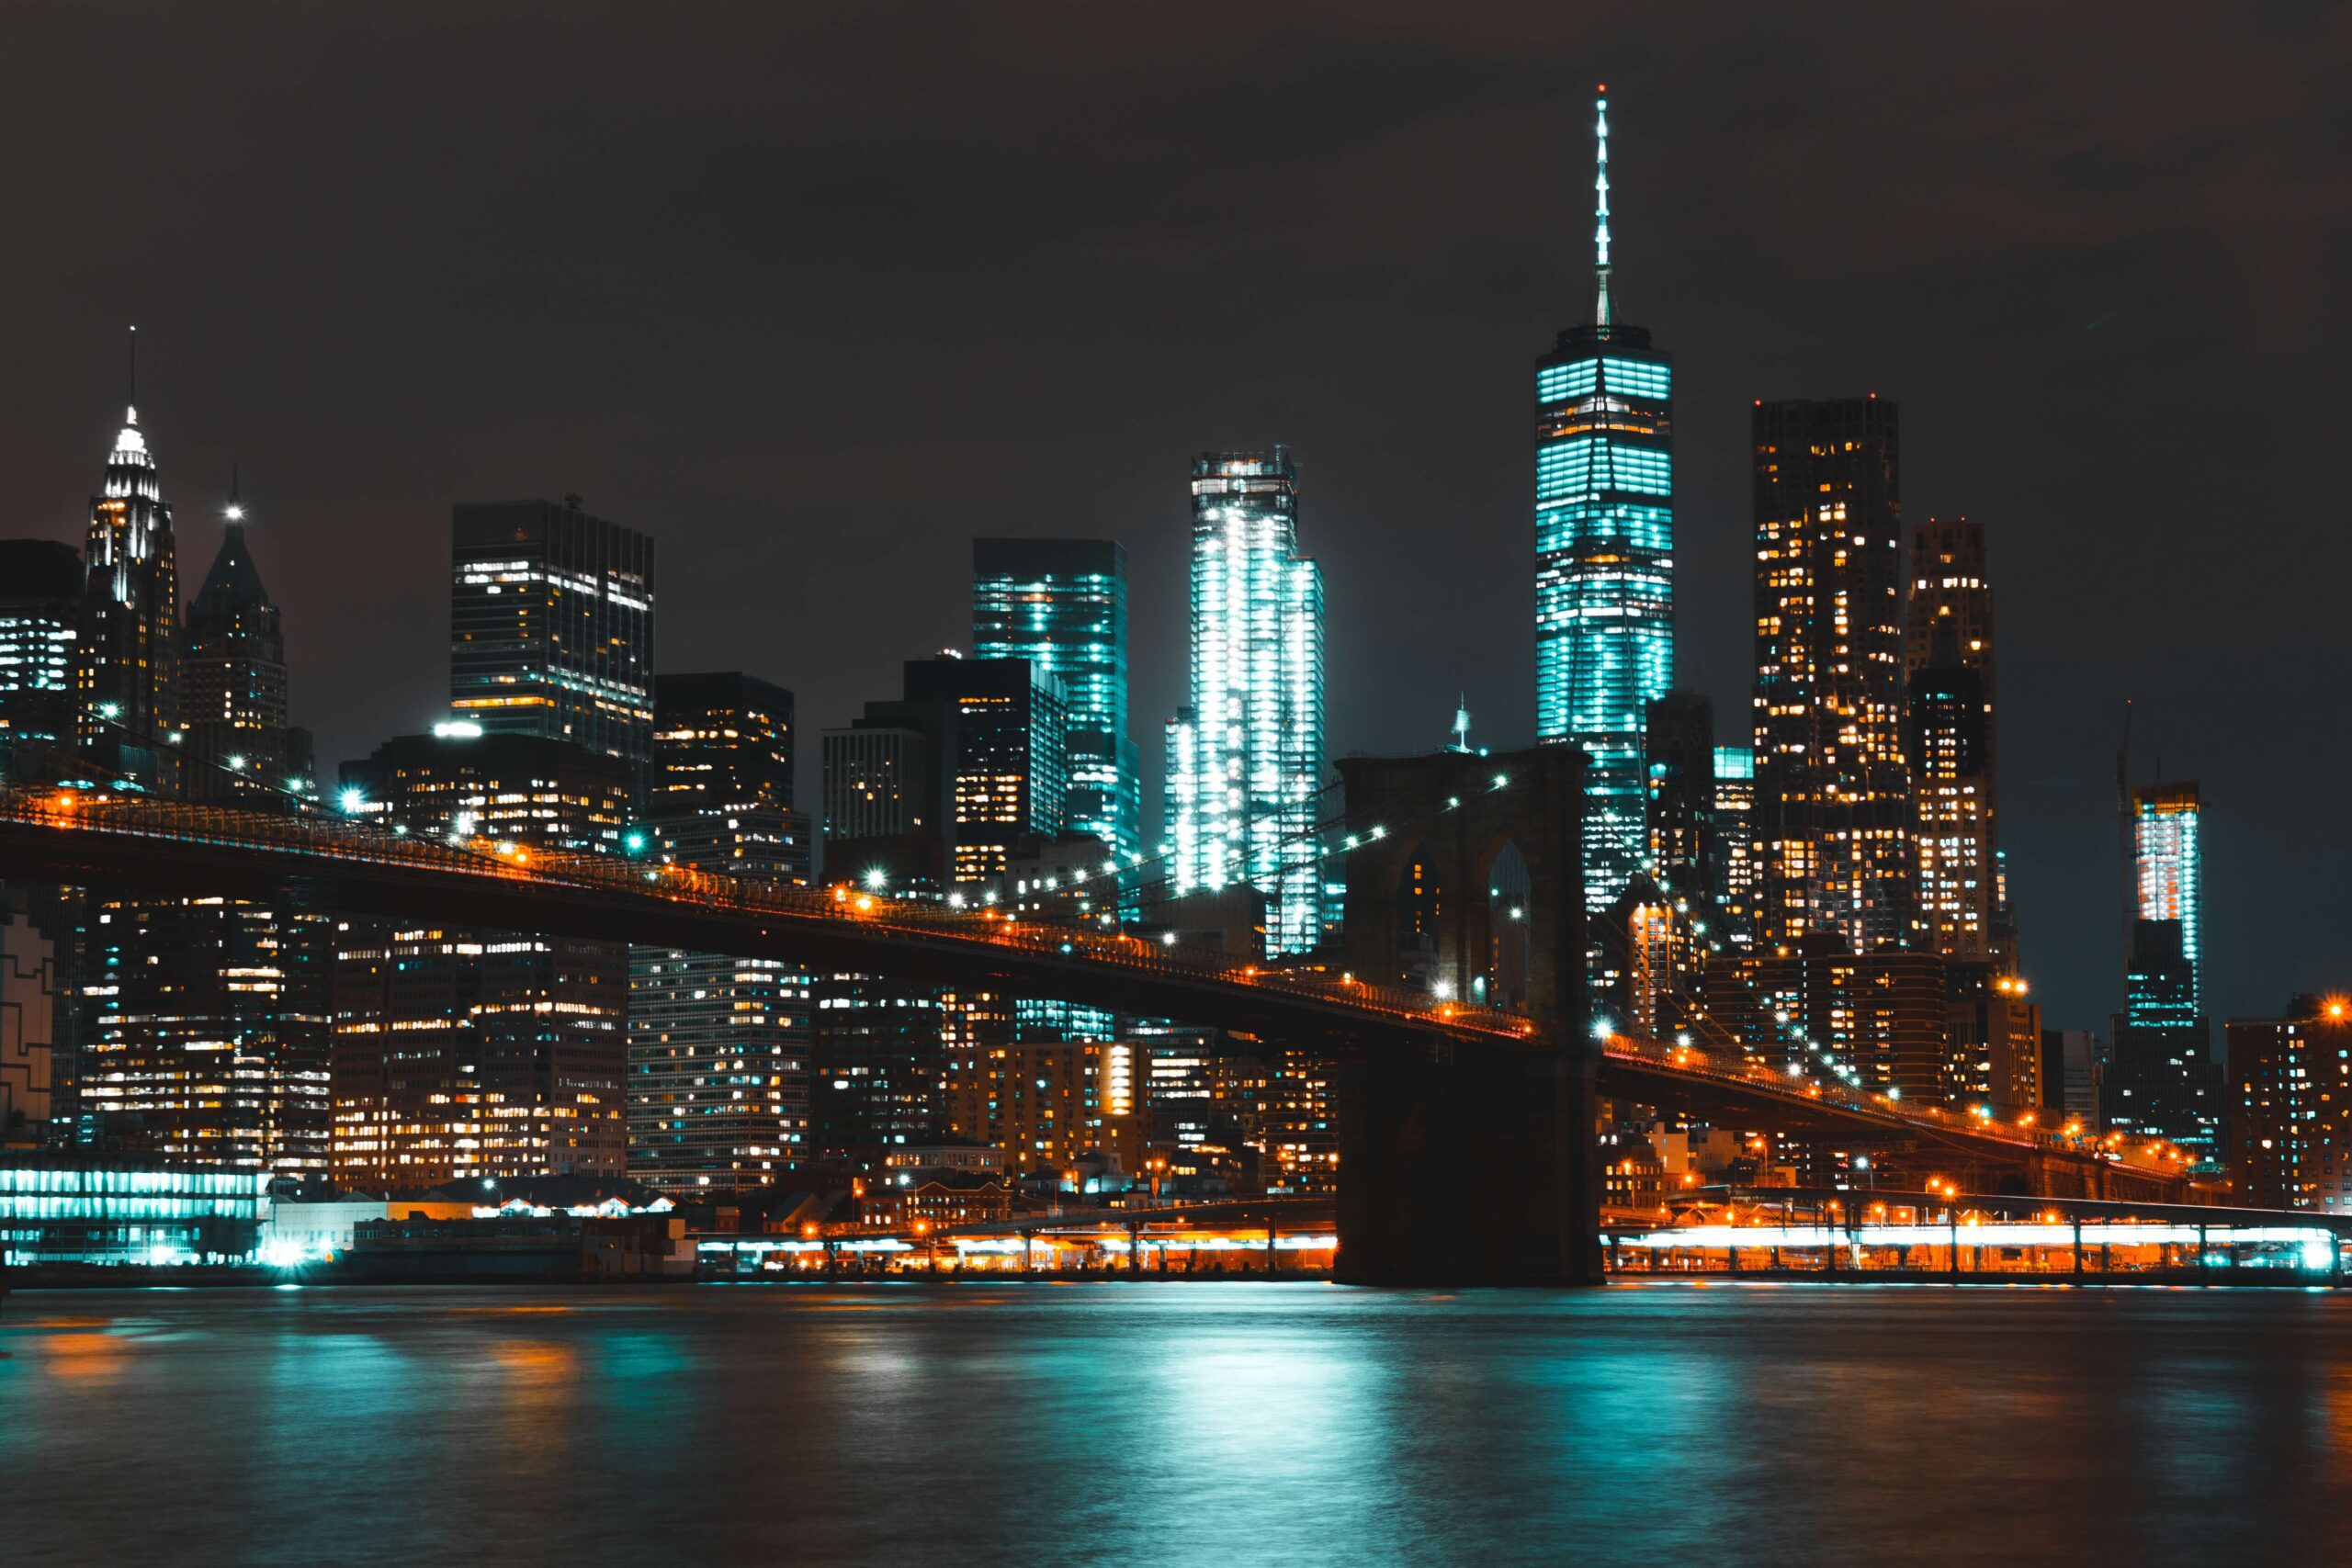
[(1467, 1132)]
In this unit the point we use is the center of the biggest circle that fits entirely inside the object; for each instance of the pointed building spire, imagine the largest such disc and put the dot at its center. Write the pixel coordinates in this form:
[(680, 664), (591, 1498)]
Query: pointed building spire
[(236, 508), (132, 416), (1600, 207)]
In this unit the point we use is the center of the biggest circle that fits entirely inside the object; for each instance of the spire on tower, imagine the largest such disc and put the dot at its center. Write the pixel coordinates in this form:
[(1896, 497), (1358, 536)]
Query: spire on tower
[(1600, 207), (133, 405), (236, 508)]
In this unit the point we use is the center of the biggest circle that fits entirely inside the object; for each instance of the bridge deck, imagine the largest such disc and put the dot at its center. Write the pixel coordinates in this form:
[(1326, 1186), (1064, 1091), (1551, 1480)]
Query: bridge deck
[(334, 863)]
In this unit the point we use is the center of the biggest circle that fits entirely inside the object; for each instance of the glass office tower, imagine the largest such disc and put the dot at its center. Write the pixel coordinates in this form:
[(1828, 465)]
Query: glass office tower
[(1062, 605), (1604, 558), (2168, 869), (1245, 760)]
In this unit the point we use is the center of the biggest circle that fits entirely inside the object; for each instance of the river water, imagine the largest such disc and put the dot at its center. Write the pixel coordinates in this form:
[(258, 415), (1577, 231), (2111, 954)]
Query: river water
[(967, 1425)]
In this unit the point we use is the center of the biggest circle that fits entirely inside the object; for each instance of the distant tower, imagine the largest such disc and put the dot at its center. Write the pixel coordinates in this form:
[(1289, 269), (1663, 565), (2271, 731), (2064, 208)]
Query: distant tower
[(1604, 553), (127, 673), (1062, 605), (1835, 835), (232, 679), (1245, 760)]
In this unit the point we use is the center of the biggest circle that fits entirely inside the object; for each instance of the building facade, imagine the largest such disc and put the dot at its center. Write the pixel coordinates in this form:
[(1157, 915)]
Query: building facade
[(2290, 1108), (461, 1053), (41, 596), (552, 626), (1062, 605), (718, 1045), (1244, 757), (1835, 834), (1604, 556), (1007, 754)]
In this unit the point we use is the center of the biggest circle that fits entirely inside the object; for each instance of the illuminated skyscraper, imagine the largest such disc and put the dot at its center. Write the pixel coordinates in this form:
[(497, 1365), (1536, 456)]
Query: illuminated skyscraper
[(551, 627), (127, 677), (2168, 869), (2164, 1081), (1835, 835), (1062, 605), (1604, 556), (1734, 855), (1245, 760), (1948, 657)]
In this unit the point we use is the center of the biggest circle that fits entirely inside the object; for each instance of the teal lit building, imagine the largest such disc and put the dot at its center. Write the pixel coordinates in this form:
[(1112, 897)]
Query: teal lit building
[(1244, 758), (1062, 605), (1604, 551)]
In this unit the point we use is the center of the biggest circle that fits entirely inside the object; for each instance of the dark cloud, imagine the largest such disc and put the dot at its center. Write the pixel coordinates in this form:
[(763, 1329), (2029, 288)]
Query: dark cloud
[(818, 293)]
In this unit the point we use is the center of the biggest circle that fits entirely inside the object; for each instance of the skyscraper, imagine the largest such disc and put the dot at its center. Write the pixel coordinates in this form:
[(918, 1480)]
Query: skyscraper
[(40, 596), (127, 678), (1834, 833), (1948, 657), (552, 626), (2164, 1081), (718, 1045), (1007, 756), (1245, 757), (1062, 605), (1604, 556), (722, 742), (2168, 869), (240, 747), (1735, 890), (461, 1053)]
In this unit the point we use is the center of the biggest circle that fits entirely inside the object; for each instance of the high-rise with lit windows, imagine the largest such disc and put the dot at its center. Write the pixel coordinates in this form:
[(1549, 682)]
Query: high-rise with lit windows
[(1734, 855), (718, 1045), (552, 626), (41, 594), (1835, 834), (1604, 556), (1948, 658), (1007, 756), (2163, 1081), (2168, 868), (1062, 605), (127, 683), (1244, 757)]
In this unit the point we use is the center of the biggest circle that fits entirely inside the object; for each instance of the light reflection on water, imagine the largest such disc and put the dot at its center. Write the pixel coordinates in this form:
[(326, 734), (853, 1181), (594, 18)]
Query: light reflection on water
[(1177, 1423)]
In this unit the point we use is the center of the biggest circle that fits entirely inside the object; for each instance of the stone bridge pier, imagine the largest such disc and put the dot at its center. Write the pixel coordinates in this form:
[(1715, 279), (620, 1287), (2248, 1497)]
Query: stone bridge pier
[(1464, 1165)]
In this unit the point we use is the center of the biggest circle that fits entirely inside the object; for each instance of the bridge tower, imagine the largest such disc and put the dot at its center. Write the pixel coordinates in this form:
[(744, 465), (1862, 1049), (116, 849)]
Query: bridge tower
[(1471, 1165)]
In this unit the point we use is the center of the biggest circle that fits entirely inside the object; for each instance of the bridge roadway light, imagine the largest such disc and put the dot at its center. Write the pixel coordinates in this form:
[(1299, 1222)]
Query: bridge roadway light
[(877, 878), (352, 802)]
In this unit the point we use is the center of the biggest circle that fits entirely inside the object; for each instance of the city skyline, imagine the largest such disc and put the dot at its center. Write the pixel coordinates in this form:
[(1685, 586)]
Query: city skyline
[(2060, 617)]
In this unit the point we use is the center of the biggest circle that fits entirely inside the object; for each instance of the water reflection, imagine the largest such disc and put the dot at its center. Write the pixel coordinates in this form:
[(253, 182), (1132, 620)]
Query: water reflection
[(1177, 1424)]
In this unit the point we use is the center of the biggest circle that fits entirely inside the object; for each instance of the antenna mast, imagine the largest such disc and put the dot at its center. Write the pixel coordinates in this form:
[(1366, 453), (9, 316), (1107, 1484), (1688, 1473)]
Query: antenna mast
[(1600, 207)]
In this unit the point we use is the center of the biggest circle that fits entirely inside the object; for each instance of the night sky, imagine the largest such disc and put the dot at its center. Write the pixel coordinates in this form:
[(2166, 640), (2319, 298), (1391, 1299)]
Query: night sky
[(818, 293)]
